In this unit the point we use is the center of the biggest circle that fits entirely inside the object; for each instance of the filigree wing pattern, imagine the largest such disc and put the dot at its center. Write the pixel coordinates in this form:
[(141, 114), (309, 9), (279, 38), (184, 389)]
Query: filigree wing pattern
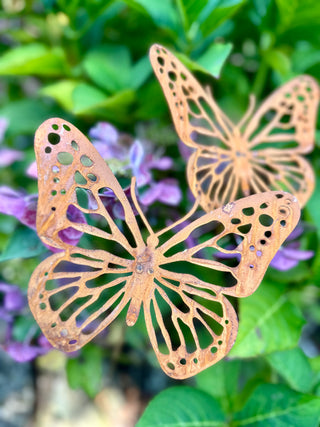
[(63, 297), (76, 294), (213, 178), (261, 153), (190, 321), (198, 119), (72, 173), (288, 116)]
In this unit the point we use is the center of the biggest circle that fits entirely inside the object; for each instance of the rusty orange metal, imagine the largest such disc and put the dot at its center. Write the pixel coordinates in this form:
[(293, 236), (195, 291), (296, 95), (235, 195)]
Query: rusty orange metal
[(183, 290), (262, 152)]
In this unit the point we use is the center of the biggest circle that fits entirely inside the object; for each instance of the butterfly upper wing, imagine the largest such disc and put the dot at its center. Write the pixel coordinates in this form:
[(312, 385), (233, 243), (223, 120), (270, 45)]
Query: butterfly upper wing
[(67, 161), (193, 110), (64, 299), (195, 301), (213, 178), (290, 113)]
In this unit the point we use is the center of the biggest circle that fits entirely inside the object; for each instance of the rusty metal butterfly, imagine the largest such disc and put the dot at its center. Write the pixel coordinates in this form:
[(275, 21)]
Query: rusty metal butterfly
[(118, 267), (261, 153)]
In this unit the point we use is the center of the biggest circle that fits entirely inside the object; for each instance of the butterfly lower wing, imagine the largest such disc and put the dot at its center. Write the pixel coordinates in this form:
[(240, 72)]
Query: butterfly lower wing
[(71, 173), (198, 119), (74, 295), (212, 177), (250, 230), (289, 116), (283, 170), (188, 335)]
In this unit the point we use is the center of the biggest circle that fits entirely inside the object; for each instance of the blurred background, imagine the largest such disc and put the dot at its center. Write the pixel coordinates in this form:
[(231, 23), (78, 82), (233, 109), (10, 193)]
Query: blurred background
[(87, 62)]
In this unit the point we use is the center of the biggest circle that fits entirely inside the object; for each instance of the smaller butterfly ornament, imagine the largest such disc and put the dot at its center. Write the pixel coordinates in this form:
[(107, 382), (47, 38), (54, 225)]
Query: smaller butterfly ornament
[(261, 153), (124, 269)]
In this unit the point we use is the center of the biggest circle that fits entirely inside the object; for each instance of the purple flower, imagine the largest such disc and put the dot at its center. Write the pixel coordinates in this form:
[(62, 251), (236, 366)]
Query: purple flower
[(24, 352), (166, 191), (13, 299), (24, 208), (289, 255), (139, 157), (32, 171), (7, 155)]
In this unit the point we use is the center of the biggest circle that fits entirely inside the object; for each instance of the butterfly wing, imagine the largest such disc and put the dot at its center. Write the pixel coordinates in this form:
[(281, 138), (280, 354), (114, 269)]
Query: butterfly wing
[(287, 116), (76, 293), (282, 129), (202, 323), (194, 111)]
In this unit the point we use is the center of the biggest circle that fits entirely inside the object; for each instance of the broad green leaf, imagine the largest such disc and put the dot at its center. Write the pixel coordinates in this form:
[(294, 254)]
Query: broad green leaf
[(293, 365), (221, 381), (191, 9), (61, 91), (34, 58), (140, 72), (109, 67), (88, 100), (275, 405), (216, 12), (85, 371), (182, 407), (25, 115), (24, 243), (214, 58), (268, 323), (162, 12)]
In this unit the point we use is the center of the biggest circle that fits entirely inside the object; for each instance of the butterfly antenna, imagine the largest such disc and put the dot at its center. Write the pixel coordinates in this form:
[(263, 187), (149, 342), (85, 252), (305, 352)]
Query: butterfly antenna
[(137, 206), (181, 220), (248, 114)]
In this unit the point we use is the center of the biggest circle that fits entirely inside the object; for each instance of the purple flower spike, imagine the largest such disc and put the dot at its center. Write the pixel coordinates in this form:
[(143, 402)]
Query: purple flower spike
[(166, 191), (289, 255), (9, 156), (11, 202), (24, 352)]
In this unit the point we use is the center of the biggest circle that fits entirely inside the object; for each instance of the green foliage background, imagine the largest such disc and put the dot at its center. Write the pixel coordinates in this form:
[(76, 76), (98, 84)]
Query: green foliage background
[(86, 60)]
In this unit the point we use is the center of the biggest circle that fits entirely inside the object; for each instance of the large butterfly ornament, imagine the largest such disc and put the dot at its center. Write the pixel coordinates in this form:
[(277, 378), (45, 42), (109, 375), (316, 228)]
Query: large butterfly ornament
[(118, 268), (261, 153)]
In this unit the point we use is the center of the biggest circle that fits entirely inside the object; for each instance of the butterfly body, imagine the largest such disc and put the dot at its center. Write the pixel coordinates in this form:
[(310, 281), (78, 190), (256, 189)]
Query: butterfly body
[(262, 152), (183, 291)]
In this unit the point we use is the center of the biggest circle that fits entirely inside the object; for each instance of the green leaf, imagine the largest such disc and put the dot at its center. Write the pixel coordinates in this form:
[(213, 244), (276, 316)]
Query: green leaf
[(140, 72), (22, 327), (109, 67), (88, 100), (214, 58), (221, 382), (293, 365), (275, 405), (191, 10), (278, 61), (61, 91), (34, 58), (86, 371), (268, 322), (182, 407), (162, 12), (24, 243), (24, 116), (216, 12)]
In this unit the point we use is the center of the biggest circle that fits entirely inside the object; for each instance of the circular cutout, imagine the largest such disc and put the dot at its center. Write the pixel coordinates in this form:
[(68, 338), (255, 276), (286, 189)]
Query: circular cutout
[(48, 150), (53, 138)]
